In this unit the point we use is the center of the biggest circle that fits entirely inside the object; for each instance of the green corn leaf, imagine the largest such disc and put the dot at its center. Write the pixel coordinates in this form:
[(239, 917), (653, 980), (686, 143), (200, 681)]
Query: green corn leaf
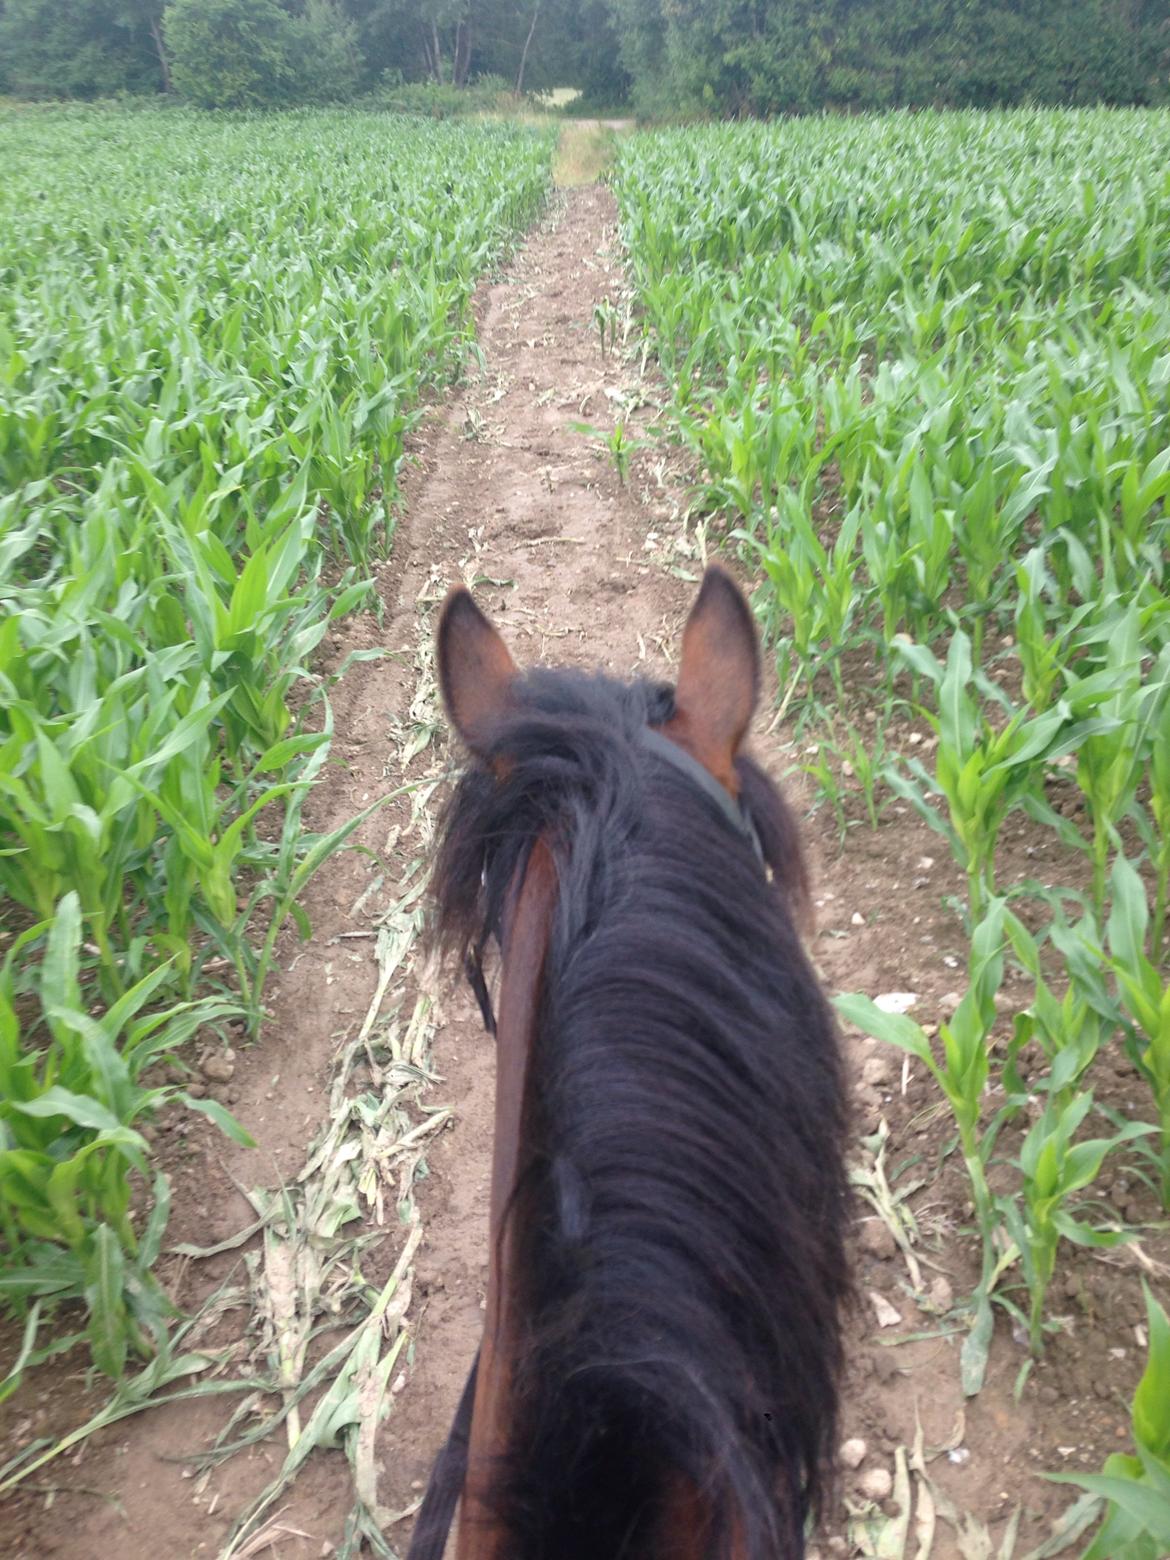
[(1146, 1508), (107, 1329), (222, 1118), (1151, 1403), (893, 1028), (61, 965)]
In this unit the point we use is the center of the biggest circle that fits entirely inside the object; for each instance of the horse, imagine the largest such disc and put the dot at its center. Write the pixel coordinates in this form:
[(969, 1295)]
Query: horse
[(658, 1373)]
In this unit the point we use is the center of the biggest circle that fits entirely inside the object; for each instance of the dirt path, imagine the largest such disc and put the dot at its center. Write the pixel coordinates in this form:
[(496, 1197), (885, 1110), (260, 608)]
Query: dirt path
[(521, 499), (577, 567)]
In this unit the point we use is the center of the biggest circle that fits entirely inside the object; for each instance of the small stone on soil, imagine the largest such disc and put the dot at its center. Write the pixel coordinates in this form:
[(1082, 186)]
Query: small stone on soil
[(942, 1296), (895, 1001), (886, 1315), (853, 1452), (876, 1240), (876, 1070), (876, 1484), (218, 1066)]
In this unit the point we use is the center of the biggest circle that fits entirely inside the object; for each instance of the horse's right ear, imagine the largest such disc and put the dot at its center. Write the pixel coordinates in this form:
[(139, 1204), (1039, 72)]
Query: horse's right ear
[(718, 676), (476, 670)]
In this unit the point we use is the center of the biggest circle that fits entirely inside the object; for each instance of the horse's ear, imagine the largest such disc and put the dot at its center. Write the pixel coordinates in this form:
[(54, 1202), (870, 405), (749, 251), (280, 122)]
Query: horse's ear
[(475, 669), (719, 675)]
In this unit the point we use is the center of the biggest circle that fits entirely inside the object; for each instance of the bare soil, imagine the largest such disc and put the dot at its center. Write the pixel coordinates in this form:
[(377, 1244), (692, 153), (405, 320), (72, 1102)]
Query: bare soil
[(578, 567)]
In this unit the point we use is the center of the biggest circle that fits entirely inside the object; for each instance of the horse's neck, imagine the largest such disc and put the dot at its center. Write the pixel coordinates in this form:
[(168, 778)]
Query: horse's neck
[(481, 1535)]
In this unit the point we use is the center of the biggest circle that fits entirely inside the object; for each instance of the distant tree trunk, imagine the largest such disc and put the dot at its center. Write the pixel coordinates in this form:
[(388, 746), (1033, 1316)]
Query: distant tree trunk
[(161, 52), (462, 67), (436, 52), (527, 46)]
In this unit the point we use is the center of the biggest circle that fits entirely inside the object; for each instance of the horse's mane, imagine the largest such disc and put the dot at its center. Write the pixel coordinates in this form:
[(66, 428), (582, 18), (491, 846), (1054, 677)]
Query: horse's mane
[(678, 1228)]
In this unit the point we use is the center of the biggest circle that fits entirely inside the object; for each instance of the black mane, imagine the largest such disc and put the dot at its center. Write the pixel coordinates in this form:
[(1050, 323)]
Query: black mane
[(679, 1223)]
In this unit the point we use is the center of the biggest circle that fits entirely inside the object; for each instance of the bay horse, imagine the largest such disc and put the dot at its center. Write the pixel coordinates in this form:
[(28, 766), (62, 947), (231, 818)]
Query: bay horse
[(657, 1377)]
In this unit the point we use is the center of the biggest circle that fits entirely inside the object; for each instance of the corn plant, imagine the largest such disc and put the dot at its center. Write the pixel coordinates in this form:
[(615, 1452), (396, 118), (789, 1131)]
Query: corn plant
[(605, 317), (1053, 1169), (860, 765), (1069, 1030), (962, 1073), (1135, 1487), (199, 458), (815, 583), (1045, 629), (1114, 753), (1154, 827), (1145, 995), (976, 388), (982, 770), (71, 1109)]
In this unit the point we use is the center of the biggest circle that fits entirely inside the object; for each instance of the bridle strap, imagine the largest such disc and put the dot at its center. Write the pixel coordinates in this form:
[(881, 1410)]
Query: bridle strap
[(733, 812), (445, 1485), (476, 979)]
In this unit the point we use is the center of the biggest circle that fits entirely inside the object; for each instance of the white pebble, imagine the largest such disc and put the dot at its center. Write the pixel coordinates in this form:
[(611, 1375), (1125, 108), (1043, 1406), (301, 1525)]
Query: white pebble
[(876, 1070), (942, 1296), (853, 1452), (896, 1001), (876, 1484)]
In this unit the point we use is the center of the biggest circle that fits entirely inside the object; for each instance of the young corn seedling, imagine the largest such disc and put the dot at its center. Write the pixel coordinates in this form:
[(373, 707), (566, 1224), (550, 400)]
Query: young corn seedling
[(1135, 1488), (1115, 746), (71, 1108), (865, 762), (1145, 995), (1155, 830), (815, 584), (860, 767), (1054, 1169), (829, 788), (616, 443), (981, 770), (1044, 657), (605, 318), (962, 1073), (1069, 1031)]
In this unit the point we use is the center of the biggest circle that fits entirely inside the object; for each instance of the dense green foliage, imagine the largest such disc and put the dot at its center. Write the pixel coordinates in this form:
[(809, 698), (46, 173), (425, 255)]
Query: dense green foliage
[(254, 54), (793, 56), (923, 365), (675, 57), (210, 351), (80, 48), (232, 53)]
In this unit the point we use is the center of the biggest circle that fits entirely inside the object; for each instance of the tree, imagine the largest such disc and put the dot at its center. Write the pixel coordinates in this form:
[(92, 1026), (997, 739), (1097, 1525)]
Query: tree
[(80, 48), (255, 54), (328, 60), (527, 46), (231, 53), (774, 56)]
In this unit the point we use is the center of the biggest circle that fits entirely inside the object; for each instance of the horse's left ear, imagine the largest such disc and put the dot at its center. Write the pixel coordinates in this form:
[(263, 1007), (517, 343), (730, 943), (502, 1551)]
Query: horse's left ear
[(476, 670), (719, 675)]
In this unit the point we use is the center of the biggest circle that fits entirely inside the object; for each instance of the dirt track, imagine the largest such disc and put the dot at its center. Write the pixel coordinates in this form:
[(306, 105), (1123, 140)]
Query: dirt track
[(576, 567)]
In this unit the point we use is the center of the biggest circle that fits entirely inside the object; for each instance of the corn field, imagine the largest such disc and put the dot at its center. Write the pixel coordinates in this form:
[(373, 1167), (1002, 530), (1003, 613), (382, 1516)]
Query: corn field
[(922, 364), (214, 337)]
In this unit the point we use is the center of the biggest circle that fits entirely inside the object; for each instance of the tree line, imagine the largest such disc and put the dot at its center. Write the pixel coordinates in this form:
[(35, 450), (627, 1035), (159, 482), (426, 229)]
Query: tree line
[(667, 58), (266, 53)]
